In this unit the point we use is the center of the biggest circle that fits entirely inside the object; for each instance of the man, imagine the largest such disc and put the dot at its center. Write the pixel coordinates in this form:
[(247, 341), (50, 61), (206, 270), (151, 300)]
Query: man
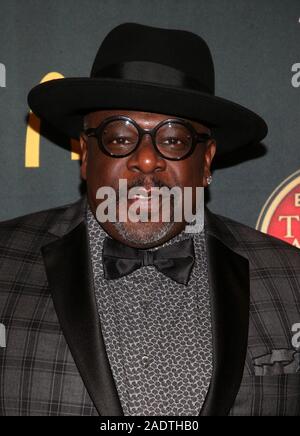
[(143, 318)]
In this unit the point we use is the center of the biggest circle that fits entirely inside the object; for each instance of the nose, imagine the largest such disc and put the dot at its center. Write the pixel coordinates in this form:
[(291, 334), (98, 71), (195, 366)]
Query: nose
[(146, 159)]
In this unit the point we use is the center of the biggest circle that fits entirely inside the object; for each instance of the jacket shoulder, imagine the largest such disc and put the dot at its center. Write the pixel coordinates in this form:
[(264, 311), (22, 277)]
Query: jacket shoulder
[(21, 230), (260, 246)]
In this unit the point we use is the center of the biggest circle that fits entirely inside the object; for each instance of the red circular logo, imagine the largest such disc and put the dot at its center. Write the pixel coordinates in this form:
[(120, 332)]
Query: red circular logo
[(280, 216)]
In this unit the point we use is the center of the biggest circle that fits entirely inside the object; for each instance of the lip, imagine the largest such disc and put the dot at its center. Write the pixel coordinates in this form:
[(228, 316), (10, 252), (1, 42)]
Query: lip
[(145, 195), (147, 200), (144, 205), (141, 200), (141, 197)]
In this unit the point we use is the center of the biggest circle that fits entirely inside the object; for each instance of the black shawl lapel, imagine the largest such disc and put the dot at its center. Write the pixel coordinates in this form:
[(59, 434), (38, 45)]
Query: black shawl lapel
[(69, 276), (68, 268), (230, 288)]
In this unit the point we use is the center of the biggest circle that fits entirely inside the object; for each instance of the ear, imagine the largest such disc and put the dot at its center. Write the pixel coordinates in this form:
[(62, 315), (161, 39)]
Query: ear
[(83, 140), (208, 157)]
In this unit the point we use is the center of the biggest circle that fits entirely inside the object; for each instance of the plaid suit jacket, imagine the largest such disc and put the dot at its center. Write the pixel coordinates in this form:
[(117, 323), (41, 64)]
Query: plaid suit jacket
[(55, 362)]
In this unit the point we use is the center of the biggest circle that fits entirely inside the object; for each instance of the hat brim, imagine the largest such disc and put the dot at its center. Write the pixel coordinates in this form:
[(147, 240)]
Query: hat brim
[(63, 102)]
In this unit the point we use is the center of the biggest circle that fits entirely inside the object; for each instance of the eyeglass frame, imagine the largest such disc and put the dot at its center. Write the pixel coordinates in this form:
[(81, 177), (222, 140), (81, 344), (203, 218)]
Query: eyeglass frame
[(196, 136)]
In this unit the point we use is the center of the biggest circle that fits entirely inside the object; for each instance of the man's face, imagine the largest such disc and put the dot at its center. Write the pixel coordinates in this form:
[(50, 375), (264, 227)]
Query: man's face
[(145, 168)]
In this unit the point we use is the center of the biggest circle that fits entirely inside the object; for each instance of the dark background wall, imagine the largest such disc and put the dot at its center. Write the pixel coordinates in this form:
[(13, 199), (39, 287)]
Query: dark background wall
[(256, 50)]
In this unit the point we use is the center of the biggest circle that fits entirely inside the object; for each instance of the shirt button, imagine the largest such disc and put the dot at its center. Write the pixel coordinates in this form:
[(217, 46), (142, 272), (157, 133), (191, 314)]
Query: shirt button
[(145, 361)]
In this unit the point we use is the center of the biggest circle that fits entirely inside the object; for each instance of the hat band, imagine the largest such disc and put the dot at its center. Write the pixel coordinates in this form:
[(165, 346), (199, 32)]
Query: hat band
[(144, 71)]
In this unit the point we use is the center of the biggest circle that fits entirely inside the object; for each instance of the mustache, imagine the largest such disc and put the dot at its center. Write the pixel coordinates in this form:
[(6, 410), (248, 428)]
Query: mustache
[(146, 182)]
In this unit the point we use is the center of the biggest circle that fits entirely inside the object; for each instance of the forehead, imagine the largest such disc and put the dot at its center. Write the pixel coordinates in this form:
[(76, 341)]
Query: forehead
[(145, 119)]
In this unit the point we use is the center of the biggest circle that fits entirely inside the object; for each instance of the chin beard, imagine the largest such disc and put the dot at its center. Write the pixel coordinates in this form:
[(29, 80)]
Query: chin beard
[(142, 234)]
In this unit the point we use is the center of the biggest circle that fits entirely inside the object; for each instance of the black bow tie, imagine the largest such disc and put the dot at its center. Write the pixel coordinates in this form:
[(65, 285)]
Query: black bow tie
[(175, 261)]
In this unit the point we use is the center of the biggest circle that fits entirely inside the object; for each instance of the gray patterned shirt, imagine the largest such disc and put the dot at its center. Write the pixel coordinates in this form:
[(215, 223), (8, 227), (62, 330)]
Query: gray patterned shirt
[(157, 332)]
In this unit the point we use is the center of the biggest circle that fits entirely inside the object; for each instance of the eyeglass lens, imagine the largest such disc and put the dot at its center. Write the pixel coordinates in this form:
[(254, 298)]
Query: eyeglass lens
[(120, 137)]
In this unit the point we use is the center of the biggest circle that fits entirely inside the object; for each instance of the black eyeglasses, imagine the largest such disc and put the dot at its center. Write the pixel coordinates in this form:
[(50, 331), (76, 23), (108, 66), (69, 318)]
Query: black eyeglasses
[(173, 139)]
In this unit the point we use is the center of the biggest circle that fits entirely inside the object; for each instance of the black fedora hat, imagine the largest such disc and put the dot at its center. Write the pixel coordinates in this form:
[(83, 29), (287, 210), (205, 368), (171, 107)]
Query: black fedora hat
[(149, 69)]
